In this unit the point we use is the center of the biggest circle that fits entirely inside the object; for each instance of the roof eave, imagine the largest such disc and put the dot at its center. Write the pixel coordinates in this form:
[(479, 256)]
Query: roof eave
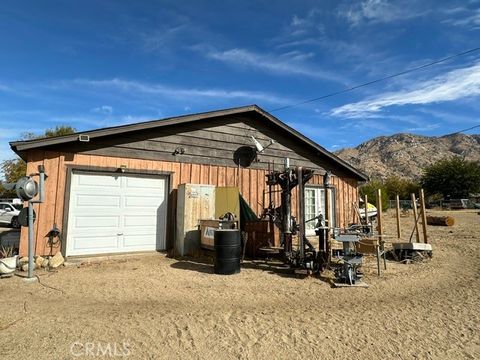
[(20, 147)]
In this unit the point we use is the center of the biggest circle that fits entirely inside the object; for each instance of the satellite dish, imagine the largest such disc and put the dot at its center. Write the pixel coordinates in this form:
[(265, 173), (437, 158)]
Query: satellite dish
[(260, 148)]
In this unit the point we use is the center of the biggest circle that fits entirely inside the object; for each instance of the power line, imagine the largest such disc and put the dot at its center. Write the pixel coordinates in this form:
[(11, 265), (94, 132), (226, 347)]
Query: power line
[(377, 80), (463, 130)]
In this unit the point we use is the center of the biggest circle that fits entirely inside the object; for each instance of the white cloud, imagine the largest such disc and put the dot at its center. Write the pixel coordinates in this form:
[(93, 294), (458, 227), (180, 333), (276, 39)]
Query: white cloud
[(423, 128), (378, 11), (291, 63), (311, 23), (5, 88), (141, 88), (132, 119), (452, 117), (308, 30), (454, 85), (467, 18), (103, 110)]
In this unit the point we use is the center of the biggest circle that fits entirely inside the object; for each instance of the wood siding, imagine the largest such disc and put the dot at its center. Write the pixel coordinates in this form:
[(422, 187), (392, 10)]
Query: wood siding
[(209, 143), (250, 181)]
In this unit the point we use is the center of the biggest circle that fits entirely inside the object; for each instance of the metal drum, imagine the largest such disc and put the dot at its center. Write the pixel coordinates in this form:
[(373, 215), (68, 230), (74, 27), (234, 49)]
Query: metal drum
[(228, 249)]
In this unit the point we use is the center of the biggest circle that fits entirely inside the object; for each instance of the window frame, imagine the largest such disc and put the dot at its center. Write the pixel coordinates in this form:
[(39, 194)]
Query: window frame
[(319, 193)]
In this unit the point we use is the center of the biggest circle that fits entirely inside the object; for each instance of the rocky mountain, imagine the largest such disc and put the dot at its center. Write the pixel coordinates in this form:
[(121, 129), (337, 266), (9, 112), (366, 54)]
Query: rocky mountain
[(405, 155)]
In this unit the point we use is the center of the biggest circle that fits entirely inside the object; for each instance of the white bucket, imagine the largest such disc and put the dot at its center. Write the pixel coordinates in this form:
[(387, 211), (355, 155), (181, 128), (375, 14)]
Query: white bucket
[(8, 265)]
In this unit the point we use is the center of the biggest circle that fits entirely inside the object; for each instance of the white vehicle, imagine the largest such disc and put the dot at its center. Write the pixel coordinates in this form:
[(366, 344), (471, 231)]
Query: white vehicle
[(9, 214)]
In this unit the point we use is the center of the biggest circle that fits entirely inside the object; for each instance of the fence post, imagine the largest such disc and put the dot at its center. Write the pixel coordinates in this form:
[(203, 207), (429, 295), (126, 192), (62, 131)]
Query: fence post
[(415, 216), (399, 233), (424, 216)]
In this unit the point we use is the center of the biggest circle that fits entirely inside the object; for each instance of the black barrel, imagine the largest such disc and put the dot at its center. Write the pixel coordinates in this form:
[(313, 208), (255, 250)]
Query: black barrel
[(228, 249)]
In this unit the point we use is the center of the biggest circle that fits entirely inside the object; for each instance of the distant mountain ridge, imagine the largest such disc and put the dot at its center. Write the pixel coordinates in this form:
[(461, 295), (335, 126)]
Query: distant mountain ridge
[(406, 155)]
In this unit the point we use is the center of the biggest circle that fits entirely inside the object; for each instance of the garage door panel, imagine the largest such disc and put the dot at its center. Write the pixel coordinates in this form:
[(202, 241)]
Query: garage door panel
[(138, 240), (143, 183), (98, 200), (139, 220), (123, 213), (83, 244), (143, 231), (97, 222), (99, 181), (142, 201)]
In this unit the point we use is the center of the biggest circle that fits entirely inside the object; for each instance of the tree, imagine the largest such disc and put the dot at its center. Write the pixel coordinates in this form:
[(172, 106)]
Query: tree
[(370, 189), (395, 185), (455, 178), (14, 169)]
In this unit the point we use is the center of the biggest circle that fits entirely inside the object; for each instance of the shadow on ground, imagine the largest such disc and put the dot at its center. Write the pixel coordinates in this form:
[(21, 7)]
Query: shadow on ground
[(281, 269), (275, 267), (201, 265)]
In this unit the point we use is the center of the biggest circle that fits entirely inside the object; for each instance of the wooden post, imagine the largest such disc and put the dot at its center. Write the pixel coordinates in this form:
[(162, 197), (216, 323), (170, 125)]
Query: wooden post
[(379, 214), (365, 204), (399, 232), (380, 247), (424, 216), (415, 216)]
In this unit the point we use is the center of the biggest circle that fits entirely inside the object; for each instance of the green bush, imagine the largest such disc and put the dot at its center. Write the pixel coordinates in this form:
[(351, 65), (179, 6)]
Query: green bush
[(370, 189), (395, 185)]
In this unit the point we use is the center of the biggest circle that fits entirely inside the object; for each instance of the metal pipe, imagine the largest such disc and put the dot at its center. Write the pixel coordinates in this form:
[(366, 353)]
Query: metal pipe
[(286, 202), (30, 240), (41, 190), (328, 219), (41, 199), (301, 213)]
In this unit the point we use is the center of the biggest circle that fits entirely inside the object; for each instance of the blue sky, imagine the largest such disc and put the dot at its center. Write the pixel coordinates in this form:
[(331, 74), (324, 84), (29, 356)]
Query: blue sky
[(92, 64)]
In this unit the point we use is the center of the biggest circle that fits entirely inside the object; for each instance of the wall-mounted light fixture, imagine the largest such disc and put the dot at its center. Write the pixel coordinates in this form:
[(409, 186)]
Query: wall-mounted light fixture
[(326, 178), (122, 168), (179, 151)]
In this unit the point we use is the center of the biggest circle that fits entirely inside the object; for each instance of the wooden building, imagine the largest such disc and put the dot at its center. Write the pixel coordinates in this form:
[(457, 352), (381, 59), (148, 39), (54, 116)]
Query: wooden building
[(113, 190)]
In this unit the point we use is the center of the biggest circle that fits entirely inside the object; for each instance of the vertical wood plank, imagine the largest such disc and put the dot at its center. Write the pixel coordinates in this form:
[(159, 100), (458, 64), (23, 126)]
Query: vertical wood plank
[(195, 174), (230, 180), (184, 173), (244, 174), (176, 175), (47, 208), (341, 203), (253, 190), (221, 176), (61, 187), (214, 175)]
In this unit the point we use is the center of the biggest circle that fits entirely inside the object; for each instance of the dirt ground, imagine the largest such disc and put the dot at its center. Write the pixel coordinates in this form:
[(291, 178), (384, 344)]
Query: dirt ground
[(153, 307)]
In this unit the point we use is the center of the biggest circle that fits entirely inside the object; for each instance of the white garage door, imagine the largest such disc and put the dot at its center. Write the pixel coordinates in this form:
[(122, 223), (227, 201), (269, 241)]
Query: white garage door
[(116, 213)]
